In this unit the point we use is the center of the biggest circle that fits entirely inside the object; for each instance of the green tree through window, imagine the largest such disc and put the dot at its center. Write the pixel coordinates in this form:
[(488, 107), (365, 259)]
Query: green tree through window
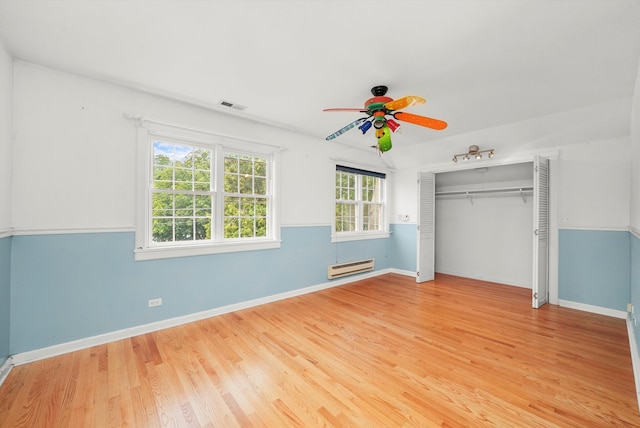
[(183, 195), (245, 196), (359, 200)]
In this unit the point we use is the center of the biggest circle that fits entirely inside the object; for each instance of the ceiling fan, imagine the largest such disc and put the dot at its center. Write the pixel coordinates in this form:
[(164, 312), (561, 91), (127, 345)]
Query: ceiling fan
[(377, 109)]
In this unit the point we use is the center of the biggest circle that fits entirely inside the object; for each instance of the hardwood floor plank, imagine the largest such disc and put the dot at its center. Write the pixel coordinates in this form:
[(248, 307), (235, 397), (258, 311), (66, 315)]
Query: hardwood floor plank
[(381, 352)]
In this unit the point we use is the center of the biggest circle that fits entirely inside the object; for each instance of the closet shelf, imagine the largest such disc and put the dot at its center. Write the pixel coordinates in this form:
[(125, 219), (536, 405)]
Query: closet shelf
[(521, 191), (518, 190)]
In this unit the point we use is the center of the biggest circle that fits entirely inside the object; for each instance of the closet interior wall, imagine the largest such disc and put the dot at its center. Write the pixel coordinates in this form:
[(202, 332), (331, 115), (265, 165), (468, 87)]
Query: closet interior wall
[(484, 224)]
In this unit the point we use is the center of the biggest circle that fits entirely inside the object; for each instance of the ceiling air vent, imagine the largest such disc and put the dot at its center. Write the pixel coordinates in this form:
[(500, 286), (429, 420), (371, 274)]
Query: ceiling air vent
[(232, 105)]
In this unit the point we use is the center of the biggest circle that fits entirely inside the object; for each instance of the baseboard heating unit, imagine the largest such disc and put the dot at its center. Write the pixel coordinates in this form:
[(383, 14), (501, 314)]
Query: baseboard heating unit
[(350, 268)]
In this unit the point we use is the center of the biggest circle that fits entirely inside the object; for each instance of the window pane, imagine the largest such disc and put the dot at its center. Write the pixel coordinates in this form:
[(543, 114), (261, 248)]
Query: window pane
[(246, 166), (371, 189), (184, 205), (246, 184), (260, 186), (247, 228), (202, 181), (203, 205), (231, 227), (261, 208), (202, 160), (247, 207), (245, 174), (261, 227), (162, 230), (260, 167), (203, 228), (184, 229), (231, 206), (345, 188), (162, 205), (162, 177), (230, 164), (372, 217), (231, 183), (345, 217)]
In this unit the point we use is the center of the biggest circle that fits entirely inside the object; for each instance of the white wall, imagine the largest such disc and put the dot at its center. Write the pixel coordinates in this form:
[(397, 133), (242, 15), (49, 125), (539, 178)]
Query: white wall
[(403, 192), (635, 159), (490, 239), (6, 136), (74, 157), (594, 185)]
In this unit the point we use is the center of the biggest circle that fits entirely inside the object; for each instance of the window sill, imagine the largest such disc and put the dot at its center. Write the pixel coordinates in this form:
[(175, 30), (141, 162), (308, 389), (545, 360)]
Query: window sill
[(344, 237), (155, 253)]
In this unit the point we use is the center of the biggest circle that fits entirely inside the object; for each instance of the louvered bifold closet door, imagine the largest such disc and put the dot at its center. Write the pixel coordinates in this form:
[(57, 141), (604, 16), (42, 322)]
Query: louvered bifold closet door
[(426, 227), (540, 291)]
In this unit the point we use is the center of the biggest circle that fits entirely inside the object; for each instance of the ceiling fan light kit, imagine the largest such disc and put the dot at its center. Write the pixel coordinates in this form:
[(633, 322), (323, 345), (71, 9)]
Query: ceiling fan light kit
[(377, 109), (474, 151)]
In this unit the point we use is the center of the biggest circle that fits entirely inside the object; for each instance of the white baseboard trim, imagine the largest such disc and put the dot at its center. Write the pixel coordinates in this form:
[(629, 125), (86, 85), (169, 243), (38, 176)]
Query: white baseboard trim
[(5, 369), (403, 272), (635, 357), (594, 309), (76, 345)]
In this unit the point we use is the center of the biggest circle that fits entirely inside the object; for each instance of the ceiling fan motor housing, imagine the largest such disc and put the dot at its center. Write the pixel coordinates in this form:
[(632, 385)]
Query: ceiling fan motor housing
[(378, 91)]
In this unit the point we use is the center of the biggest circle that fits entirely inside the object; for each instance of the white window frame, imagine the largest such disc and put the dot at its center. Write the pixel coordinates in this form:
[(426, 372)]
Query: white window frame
[(150, 131), (360, 234)]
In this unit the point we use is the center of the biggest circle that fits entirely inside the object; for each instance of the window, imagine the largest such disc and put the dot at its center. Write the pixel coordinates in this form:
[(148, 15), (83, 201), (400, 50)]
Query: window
[(246, 202), (181, 193), (205, 195), (359, 204)]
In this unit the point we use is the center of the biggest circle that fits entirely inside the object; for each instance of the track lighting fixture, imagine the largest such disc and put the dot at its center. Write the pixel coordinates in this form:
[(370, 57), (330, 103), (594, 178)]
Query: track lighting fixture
[(475, 152)]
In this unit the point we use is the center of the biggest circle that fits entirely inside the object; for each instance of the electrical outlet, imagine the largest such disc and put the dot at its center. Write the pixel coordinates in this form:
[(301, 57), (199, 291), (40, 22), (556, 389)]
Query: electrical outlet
[(629, 307), (155, 302)]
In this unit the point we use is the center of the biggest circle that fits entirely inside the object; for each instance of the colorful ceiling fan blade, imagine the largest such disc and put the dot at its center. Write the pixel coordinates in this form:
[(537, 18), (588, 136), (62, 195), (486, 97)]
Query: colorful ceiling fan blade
[(360, 109), (421, 120), (346, 128), (401, 103)]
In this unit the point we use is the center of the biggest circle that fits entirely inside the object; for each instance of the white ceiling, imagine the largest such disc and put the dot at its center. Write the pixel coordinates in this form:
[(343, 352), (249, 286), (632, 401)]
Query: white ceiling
[(481, 64)]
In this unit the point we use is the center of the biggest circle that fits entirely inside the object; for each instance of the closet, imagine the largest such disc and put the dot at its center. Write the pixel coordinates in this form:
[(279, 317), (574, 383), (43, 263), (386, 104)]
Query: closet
[(486, 223)]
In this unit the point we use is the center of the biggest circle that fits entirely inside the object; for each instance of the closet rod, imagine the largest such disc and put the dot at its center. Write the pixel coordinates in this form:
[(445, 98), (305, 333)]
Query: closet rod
[(518, 190)]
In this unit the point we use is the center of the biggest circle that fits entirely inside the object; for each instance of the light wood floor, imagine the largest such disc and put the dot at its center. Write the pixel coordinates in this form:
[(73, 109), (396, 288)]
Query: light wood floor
[(381, 352)]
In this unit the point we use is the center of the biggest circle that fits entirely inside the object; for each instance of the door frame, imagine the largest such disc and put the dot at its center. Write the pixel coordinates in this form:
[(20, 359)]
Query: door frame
[(553, 203)]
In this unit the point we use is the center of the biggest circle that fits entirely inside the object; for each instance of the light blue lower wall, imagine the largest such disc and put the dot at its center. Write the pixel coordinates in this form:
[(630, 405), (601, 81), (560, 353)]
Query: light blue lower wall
[(635, 281), (69, 287), (594, 267), (403, 247), (5, 295), (73, 286)]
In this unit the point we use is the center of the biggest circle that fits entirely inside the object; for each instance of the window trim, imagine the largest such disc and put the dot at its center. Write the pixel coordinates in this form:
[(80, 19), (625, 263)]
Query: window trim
[(360, 235), (149, 131)]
